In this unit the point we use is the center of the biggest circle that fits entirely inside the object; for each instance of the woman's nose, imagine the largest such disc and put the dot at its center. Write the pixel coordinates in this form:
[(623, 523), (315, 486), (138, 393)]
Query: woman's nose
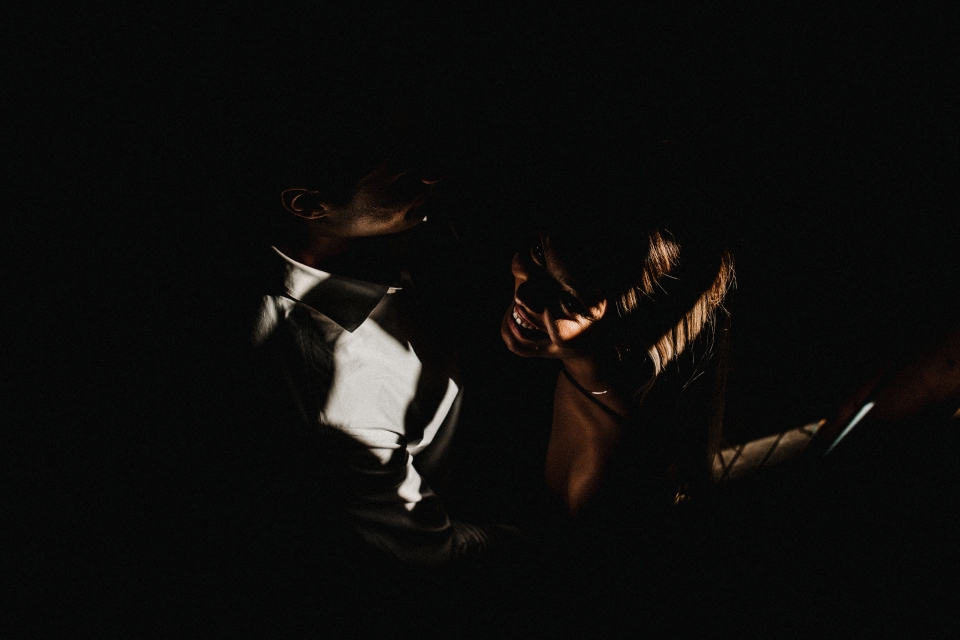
[(531, 294), (517, 267)]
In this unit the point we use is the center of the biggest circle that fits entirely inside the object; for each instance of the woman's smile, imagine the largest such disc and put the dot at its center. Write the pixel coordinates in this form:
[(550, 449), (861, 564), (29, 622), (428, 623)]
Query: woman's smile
[(519, 320), (523, 328)]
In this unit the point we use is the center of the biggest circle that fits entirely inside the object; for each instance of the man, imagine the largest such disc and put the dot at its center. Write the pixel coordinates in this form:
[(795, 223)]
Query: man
[(357, 384)]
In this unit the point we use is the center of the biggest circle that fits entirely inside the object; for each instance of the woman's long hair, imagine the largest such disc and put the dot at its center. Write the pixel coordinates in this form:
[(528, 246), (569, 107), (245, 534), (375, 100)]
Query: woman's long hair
[(675, 300), (675, 313), (656, 252)]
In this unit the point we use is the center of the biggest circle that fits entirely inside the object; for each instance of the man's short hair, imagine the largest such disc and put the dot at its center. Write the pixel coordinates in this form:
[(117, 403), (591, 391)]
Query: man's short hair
[(329, 135)]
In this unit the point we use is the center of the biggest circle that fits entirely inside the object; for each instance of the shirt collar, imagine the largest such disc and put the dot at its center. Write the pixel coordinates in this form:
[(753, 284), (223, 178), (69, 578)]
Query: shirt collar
[(346, 301)]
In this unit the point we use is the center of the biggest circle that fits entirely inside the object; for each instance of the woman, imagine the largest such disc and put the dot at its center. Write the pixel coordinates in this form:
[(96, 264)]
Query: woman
[(626, 294), (619, 305)]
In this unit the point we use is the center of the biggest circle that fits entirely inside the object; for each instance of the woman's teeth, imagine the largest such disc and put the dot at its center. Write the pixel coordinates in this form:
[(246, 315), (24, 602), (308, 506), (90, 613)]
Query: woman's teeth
[(520, 321)]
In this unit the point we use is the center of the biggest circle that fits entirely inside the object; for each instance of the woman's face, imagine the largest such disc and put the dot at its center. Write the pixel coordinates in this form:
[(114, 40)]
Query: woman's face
[(553, 314)]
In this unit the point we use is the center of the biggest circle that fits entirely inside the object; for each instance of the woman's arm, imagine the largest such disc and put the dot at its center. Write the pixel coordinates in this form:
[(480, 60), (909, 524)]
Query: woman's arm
[(928, 383)]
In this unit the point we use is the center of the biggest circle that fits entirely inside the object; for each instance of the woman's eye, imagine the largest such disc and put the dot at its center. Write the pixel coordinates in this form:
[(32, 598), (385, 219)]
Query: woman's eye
[(572, 305), (536, 251)]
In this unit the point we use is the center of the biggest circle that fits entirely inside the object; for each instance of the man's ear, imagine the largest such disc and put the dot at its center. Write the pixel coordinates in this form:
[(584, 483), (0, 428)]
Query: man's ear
[(304, 203)]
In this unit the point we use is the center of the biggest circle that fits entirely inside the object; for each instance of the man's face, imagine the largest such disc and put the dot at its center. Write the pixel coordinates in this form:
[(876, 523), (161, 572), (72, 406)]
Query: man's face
[(384, 201)]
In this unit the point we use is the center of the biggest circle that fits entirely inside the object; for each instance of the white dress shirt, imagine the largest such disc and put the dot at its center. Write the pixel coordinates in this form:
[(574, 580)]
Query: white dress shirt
[(375, 397)]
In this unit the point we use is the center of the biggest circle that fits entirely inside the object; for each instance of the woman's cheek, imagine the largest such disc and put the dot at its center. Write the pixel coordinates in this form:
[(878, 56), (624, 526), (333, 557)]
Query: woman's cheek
[(568, 331), (580, 336)]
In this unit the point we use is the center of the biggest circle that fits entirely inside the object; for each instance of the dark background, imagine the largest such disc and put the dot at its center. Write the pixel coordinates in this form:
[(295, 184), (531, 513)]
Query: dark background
[(827, 136)]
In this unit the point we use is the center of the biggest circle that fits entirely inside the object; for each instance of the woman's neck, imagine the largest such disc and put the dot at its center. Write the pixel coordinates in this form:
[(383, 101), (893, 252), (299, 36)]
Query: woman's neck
[(582, 442)]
